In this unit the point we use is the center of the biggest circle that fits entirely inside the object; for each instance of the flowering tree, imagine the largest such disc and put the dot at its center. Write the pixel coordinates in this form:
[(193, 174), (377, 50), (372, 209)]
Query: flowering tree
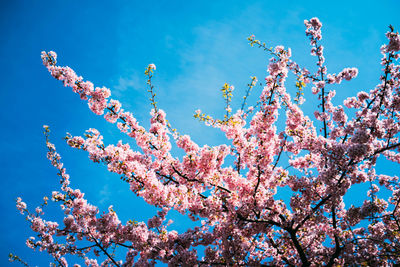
[(243, 219)]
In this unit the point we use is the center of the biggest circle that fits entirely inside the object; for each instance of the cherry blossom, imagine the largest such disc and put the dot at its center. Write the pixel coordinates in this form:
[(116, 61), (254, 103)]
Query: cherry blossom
[(242, 218)]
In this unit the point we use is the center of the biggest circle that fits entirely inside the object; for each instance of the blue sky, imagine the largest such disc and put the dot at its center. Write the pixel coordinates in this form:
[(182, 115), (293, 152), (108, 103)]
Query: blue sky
[(197, 46)]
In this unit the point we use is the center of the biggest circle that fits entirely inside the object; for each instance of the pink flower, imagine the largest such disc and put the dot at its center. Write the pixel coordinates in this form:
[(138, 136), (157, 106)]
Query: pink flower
[(21, 206), (349, 73), (151, 66), (394, 42)]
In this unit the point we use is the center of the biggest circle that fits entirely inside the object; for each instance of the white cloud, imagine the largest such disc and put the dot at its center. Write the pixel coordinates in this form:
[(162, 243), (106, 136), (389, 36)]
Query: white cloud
[(104, 194), (130, 82)]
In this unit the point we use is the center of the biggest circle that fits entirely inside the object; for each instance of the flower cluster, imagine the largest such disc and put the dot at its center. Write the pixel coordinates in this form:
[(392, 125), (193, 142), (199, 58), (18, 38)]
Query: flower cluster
[(244, 221)]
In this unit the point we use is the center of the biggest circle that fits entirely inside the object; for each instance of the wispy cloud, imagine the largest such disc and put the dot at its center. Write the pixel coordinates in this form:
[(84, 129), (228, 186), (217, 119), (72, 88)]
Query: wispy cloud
[(217, 53), (133, 81), (104, 194)]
